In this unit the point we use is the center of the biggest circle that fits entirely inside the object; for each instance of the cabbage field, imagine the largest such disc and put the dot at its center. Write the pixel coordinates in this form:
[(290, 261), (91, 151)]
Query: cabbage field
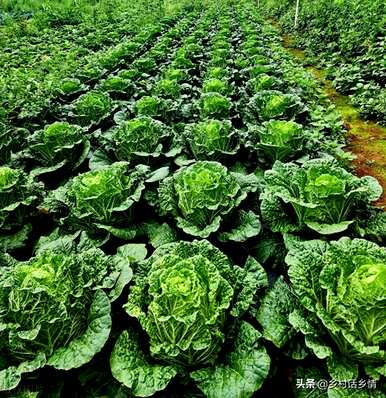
[(180, 215)]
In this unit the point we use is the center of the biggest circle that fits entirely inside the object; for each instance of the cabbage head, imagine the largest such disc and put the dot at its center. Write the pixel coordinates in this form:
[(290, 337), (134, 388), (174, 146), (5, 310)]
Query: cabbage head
[(141, 138), (214, 105), (100, 200), (115, 85), (151, 106), (55, 308), (276, 139), (319, 195), (211, 139), (186, 296), (199, 196), (57, 145), (271, 104), (168, 88), (216, 86), (92, 108), (341, 291)]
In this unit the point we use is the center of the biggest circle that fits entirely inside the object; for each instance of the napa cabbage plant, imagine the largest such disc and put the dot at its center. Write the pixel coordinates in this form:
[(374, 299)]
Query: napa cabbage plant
[(20, 195), (167, 88), (115, 56), (189, 299), (129, 74), (217, 72), (211, 139), (276, 139), (152, 106), (216, 86), (12, 140), (57, 145), (70, 86), (341, 303), (137, 140), (182, 61), (145, 65), (249, 71), (271, 104), (318, 195), (202, 194), (55, 309), (100, 201), (175, 74), (264, 82), (214, 105), (92, 108), (117, 85)]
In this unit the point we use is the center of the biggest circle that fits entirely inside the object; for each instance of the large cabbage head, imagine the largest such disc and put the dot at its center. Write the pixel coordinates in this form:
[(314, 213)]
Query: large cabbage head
[(270, 104), (58, 144), (70, 86), (217, 72), (117, 85), (342, 289), (168, 88), (140, 137), (186, 297), (184, 294), (211, 139), (216, 86), (98, 193), (175, 74), (151, 106), (276, 139), (200, 195), (214, 105), (54, 310), (319, 195), (100, 200), (92, 107)]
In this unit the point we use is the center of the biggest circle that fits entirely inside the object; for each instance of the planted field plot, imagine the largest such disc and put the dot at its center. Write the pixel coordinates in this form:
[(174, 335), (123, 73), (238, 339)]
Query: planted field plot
[(179, 214)]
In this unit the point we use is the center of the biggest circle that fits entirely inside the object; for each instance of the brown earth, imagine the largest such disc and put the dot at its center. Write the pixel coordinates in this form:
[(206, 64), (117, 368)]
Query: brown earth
[(365, 139)]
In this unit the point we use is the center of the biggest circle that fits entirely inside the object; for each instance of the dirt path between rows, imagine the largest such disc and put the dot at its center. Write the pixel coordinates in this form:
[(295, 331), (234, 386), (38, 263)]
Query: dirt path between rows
[(366, 139)]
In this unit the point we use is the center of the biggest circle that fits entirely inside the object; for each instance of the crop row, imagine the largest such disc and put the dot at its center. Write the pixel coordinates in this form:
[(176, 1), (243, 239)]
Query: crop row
[(187, 225), (27, 91)]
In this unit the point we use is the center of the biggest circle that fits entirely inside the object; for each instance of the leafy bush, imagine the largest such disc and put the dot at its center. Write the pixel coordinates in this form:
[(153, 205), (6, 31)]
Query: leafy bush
[(185, 298), (319, 195)]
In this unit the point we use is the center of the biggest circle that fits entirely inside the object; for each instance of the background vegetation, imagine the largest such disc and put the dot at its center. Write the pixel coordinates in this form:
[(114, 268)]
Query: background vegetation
[(347, 36)]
